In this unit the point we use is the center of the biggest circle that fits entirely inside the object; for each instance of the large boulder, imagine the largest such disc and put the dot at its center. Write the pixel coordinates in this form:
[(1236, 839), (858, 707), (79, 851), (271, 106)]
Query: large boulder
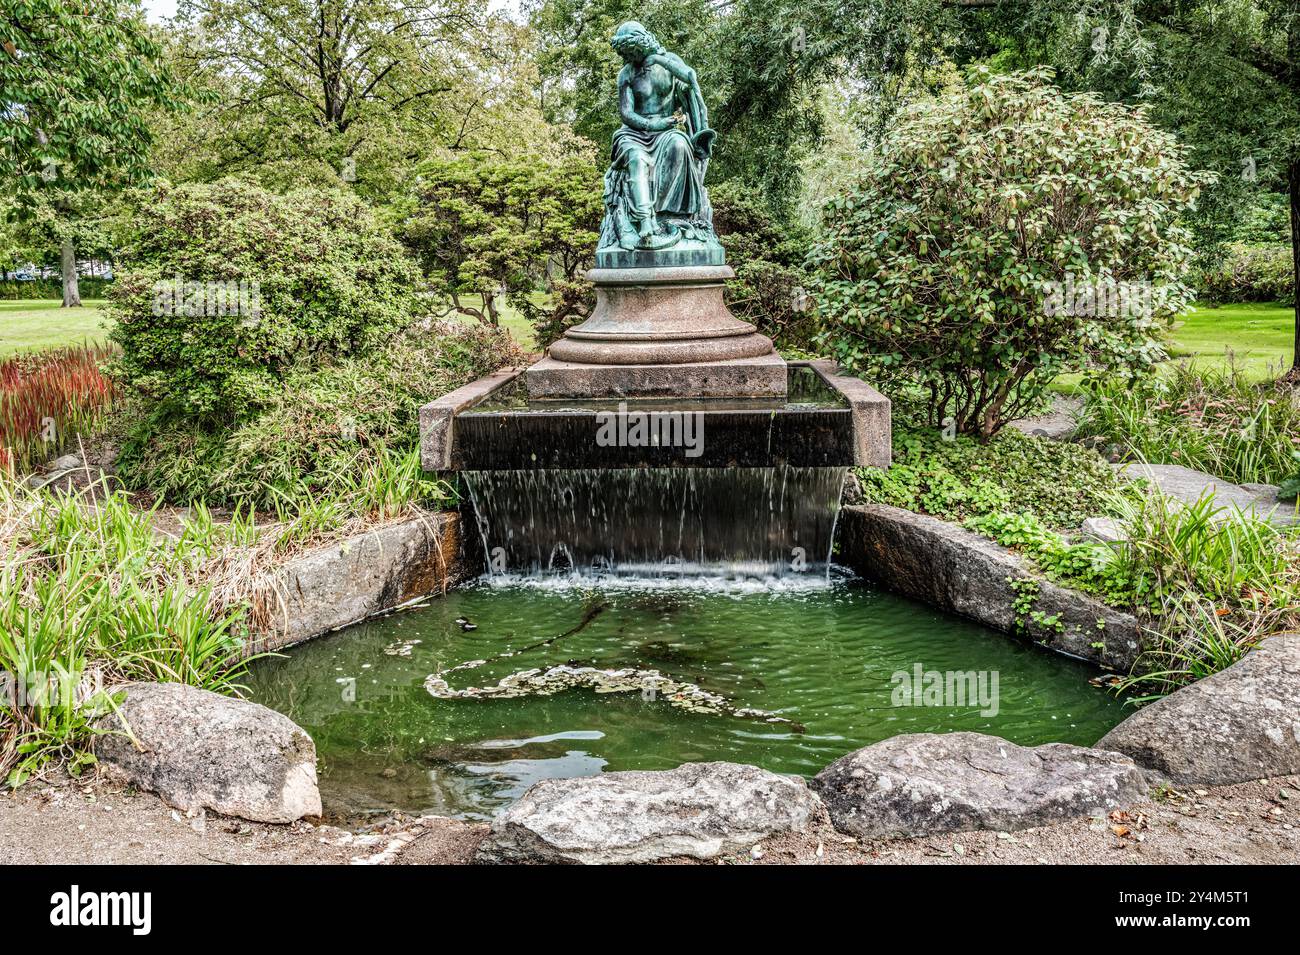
[(922, 783), (1240, 724), (699, 810), (201, 750)]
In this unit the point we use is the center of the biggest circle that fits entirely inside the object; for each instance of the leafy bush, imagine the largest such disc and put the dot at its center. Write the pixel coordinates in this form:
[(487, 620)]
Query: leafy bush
[(488, 229), (1054, 482), (89, 287), (1250, 273), (324, 424), (770, 287), (322, 278), (1085, 565), (1215, 421), (1002, 234)]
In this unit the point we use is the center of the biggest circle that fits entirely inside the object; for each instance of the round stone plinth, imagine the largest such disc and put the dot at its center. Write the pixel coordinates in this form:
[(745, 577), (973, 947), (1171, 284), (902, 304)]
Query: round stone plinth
[(652, 351), (652, 316)]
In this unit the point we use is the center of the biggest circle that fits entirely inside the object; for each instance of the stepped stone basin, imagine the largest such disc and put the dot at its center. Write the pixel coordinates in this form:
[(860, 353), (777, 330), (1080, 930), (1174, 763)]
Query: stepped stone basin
[(821, 419)]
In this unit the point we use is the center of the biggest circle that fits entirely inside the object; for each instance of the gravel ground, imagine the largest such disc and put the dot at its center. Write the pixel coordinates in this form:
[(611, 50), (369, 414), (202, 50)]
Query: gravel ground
[(64, 821)]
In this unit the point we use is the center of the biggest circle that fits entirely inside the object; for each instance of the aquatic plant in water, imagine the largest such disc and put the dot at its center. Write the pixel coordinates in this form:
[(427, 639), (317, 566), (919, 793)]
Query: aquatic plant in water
[(651, 684)]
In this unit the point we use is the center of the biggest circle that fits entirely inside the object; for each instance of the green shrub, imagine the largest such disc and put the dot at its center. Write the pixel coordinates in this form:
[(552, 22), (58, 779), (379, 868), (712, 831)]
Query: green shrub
[(88, 286), (325, 423), (1085, 565), (771, 284), (955, 477), (1001, 235), (1250, 273), (490, 230), (322, 281)]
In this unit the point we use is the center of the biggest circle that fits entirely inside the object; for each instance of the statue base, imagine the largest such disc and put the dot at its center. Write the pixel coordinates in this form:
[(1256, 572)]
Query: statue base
[(660, 332)]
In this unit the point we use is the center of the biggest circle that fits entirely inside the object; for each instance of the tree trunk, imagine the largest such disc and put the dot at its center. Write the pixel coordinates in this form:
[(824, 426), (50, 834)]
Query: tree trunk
[(71, 294), (1293, 187)]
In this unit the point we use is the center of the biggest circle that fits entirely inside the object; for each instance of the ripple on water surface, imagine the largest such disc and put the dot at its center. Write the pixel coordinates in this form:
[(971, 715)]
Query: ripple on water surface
[(806, 673)]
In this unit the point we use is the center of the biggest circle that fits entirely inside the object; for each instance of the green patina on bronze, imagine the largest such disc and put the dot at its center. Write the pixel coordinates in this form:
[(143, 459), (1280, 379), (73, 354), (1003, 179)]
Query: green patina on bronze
[(657, 211)]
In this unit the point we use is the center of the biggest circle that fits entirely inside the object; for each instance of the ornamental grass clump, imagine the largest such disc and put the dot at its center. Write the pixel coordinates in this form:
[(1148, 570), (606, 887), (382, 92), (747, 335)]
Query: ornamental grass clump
[(49, 398), (1003, 234)]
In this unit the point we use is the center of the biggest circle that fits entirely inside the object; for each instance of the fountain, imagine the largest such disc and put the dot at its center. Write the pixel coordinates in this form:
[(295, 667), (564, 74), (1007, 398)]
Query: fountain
[(663, 434), (656, 501)]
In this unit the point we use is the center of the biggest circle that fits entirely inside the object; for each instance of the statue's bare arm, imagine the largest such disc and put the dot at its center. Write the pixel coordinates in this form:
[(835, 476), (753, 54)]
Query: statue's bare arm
[(678, 67), (627, 108)]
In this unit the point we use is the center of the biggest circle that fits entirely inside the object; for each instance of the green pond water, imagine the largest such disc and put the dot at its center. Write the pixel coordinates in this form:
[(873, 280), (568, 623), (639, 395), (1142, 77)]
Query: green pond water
[(786, 676)]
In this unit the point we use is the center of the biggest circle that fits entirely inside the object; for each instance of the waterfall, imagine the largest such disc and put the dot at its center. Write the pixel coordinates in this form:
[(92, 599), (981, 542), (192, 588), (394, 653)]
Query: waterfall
[(727, 522)]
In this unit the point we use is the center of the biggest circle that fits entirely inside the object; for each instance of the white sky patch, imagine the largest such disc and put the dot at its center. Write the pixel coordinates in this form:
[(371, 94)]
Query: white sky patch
[(159, 10)]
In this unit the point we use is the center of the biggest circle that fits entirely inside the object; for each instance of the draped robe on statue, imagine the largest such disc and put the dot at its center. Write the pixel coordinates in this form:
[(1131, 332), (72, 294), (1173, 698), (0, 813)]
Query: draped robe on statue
[(679, 198)]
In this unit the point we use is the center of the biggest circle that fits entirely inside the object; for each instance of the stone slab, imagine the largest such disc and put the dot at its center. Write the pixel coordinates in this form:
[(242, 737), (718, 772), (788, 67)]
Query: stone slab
[(761, 377), (872, 427), (437, 418), (949, 567), (1188, 485), (347, 581)]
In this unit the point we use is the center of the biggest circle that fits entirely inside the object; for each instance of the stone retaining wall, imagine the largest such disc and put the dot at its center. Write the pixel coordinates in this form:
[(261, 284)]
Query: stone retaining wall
[(949, 567), (347, 581)]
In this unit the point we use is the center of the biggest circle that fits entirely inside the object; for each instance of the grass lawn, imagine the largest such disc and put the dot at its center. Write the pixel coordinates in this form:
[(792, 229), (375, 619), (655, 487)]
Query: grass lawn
[(30, 324), (1257, 336), (518, 326), (1260, 337)]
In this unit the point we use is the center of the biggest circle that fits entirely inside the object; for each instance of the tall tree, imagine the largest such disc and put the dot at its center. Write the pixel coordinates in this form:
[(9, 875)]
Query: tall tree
[(1224, 74), (77, 82), (328, 90), (761, 64)]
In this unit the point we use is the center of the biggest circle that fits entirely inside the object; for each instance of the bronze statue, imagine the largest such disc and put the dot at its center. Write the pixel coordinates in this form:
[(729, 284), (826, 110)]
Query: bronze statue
[(654, 190)]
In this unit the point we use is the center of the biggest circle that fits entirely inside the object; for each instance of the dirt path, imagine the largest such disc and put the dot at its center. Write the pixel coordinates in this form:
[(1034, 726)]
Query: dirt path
[(70, 822)]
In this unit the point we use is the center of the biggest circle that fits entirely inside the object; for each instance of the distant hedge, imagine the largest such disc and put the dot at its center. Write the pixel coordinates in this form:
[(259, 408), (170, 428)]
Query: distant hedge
[(1250, 273), (51, 288)]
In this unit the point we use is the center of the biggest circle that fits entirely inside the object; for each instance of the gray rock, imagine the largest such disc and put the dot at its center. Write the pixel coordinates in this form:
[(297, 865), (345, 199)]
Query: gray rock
[(957, 570), (201, 750), (67, 462), (1237, 725), (1057, 425), (923, 783), (1189, 486), (1104, 529), (699, 810), (1262, 492)]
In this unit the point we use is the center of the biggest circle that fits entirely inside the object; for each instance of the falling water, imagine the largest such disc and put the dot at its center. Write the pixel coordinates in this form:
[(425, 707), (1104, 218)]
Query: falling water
[(727, 522)]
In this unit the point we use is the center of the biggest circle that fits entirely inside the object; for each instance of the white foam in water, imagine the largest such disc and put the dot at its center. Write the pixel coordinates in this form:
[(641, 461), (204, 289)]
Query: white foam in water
[(733, 579)]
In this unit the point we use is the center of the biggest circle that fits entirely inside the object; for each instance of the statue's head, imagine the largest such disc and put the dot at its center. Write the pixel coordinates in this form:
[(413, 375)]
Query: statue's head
[(633, 42)]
